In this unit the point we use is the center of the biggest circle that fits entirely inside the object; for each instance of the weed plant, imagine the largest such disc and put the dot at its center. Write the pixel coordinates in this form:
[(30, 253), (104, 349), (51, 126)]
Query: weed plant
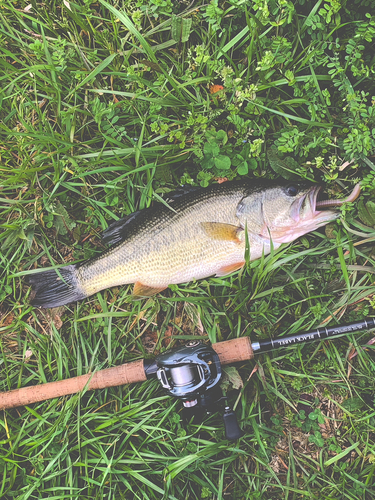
[(104, 108)]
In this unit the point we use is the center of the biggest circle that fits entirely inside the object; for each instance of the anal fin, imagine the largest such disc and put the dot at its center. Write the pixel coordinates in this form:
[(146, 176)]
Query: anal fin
[(141, 290), (223, 271)]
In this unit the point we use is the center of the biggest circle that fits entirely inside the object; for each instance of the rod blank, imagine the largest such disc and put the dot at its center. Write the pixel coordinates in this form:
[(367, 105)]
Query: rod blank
[(319, 333), (229, 351)]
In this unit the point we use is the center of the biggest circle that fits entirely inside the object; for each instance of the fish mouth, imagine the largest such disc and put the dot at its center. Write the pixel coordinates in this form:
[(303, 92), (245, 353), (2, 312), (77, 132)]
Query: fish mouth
[(308, 216), (305, 210), (317, 215), (317, 205), (349, 199)]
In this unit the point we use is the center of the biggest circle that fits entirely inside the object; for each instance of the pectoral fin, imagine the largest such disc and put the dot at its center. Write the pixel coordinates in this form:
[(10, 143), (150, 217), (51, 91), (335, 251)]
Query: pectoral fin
[(230, 268), (222, 231), (141, 290)]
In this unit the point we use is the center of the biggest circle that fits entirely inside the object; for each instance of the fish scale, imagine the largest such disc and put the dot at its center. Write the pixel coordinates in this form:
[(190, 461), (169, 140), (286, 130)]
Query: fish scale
[(201, 233), (170, 246)]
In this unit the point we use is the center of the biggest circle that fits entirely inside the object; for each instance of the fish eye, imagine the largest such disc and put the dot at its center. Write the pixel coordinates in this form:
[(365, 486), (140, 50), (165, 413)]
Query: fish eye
[(291, 190)]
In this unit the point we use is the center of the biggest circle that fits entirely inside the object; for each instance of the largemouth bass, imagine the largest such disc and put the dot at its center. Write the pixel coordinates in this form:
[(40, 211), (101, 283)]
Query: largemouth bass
[(202, 233)]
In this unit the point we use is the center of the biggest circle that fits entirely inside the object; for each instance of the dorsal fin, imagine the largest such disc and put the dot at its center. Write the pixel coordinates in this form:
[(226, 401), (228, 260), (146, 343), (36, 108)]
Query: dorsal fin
[(181, 191), (115, 232)]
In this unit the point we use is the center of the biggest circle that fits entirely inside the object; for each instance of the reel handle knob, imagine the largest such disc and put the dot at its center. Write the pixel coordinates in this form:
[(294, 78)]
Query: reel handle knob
[(232, 429)]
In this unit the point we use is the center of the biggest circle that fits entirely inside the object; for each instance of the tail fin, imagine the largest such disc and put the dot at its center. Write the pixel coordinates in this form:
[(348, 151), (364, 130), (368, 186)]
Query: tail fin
[(51, 290)]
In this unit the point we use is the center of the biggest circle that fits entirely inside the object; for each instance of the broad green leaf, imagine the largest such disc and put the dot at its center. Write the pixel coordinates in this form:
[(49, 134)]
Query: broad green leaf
[(208, 162), (62, 221), (211, 148), (186, 28), (366, 212), (221, 135), (352, 404), (231, 378), (176, 27), (243, 168), (284, 167), (253, 164), (222, 162), (181, 28)]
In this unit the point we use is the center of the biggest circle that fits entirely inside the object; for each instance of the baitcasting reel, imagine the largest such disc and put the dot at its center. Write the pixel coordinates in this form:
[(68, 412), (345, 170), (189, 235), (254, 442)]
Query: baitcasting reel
[(192, 373)]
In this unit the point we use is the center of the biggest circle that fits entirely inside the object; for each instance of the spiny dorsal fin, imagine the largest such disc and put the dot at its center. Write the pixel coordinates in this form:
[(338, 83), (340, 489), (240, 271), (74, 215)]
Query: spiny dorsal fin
[(116, 231), (181, 191)]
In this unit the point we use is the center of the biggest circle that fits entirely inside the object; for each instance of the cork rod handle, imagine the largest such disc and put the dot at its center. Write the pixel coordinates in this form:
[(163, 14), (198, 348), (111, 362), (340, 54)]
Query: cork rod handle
[(234, 351), (229, 351), (118, 375)]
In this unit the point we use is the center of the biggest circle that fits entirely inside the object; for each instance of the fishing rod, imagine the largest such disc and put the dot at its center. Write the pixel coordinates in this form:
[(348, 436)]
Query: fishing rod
[(190, 373)]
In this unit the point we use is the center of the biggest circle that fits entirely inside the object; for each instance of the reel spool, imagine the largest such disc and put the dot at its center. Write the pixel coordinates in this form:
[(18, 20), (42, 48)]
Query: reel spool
[(189, 371), (192, 373)]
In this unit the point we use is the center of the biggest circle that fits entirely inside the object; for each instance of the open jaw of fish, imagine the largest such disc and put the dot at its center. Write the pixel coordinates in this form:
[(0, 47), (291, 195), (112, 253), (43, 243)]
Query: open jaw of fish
[(306, 217), (202, 234)]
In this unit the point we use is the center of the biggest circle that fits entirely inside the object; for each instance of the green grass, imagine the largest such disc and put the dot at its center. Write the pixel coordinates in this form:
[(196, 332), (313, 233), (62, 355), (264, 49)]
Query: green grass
[(106, 106)]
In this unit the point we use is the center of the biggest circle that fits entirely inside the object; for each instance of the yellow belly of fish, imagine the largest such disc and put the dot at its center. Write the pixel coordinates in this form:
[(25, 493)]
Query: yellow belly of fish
[(178, 263), (175, 258), (184, 264)]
